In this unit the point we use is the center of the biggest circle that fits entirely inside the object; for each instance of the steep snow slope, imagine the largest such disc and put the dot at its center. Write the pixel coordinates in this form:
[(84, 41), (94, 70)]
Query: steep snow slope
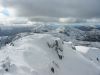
[(90, 53), (43, 54)]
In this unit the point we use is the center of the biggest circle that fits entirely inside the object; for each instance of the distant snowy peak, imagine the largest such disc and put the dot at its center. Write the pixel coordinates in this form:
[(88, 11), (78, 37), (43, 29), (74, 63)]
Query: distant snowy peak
[(71, 32)]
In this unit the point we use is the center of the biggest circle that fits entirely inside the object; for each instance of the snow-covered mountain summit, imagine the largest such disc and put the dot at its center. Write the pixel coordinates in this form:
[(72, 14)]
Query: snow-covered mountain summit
[(43, 54)]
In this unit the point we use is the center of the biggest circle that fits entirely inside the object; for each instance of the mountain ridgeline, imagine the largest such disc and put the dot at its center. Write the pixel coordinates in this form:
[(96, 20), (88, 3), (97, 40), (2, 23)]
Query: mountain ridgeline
[(89, 33)]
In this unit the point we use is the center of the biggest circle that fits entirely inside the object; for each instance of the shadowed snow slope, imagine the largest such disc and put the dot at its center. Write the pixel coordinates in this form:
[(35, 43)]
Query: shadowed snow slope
[(43, 54)]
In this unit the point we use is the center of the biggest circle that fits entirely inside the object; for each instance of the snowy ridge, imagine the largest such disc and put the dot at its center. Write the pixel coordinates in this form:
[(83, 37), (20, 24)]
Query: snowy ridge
[(43, 54)]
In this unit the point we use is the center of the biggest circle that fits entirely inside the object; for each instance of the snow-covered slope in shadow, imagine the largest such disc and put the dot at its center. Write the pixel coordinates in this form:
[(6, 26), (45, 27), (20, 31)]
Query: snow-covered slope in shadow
[(43, 54)]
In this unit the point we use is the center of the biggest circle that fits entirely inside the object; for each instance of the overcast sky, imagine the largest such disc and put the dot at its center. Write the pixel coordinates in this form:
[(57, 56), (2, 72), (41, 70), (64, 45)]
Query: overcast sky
[(58, 8), (55, 8)]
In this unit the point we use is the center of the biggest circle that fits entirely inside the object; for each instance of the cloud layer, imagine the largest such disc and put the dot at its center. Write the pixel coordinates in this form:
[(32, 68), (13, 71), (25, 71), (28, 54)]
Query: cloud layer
[(57, 8)]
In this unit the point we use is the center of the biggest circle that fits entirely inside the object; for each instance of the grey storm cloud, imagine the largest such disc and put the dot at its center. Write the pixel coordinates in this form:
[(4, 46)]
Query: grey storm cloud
[(57, 8)]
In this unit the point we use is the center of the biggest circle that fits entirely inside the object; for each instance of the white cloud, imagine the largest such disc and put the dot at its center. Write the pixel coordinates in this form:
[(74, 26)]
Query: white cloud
[(93, 20), (13, 20), (28, 20), (68, 20)]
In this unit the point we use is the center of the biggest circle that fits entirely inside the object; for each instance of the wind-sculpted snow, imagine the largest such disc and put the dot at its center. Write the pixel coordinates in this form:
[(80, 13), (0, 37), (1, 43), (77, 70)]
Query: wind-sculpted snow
[(43, 54)]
